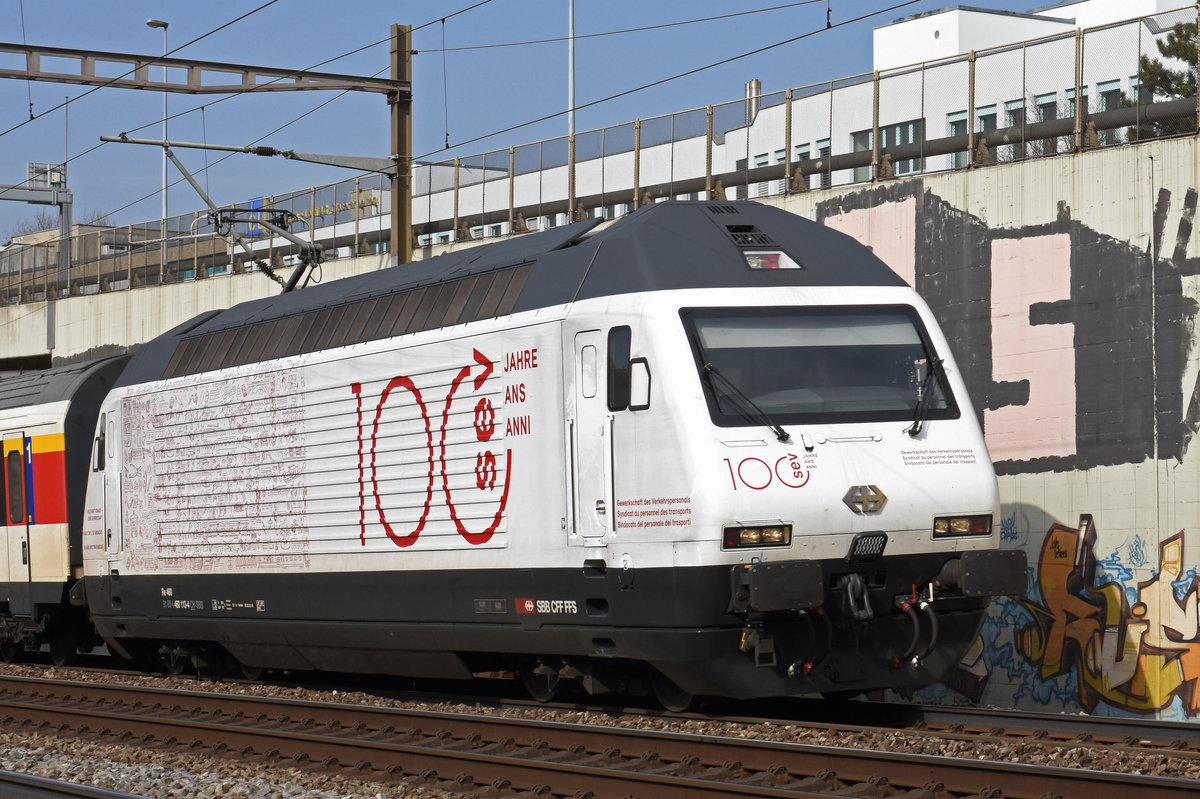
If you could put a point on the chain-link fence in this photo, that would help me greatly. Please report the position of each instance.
(1073, 90)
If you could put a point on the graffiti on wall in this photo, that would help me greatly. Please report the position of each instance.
(1132, 645)
(1075, 343)
(1079, 351)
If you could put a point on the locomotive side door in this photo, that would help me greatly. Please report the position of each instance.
(18, 493)
(110, 474)
(591, 441)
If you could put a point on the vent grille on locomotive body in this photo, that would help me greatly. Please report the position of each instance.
(754, 599)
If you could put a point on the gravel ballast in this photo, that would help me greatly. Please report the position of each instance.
(163, 774)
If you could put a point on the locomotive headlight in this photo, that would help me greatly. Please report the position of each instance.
(962, 525)
(770, 535)
(775, 535)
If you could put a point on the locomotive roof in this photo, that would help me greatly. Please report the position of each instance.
(55, 385)
(664, 246)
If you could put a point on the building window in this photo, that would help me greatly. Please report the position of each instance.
(1139, 91)
(800, 153)
(987, 118)
(890, 136)
(1016, 119)
(1070, 95)
(761, 188)
(956, 125)
(1067, 143)
(1047, 109)
(860, 142)
(910, 132)
(1110, 100)
(825, 179)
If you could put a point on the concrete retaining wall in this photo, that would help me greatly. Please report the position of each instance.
(1069, 289)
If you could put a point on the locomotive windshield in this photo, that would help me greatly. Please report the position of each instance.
(805, 365)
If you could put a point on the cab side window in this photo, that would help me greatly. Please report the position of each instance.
(628, 377)
(620, 339)
(98, 459)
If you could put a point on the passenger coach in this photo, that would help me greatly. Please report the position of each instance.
(47, 421)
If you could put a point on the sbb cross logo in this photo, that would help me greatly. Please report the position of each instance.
(525, 606)
(486, 466)
(865, 499)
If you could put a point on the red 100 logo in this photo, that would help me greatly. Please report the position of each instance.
(486, 467)
(756, 474)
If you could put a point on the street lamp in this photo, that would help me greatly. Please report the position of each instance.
(158, 23)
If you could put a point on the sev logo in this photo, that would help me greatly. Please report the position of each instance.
(865, 499)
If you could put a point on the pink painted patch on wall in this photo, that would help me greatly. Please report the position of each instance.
(1027, 271)
(889, 230)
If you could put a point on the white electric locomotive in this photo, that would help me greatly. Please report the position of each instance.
(711, 447)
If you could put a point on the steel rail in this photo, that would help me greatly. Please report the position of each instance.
(26, 786)
(491, 750)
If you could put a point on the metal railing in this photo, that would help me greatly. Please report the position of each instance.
(1037, 98)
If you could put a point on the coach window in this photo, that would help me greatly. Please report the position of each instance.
(620, 340)
(16, 494)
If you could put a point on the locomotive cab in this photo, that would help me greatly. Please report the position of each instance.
(819, 449)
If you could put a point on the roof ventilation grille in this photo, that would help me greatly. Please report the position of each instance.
(723, 209)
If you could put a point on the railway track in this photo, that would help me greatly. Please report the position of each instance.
(484, 754)
(23, 786)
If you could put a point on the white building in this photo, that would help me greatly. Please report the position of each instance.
(1024, 66)
(936, 74)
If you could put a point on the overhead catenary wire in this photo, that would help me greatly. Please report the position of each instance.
(233, 95)
(130, 72)
(445, 85)
(24, 41)
(484, 136)
(281, 127)
(595, 102)
(449, 16)
(377, 43)
(678, 76)
(625, 31)
(224, 158)
(66, 102)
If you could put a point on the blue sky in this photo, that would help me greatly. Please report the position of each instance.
(463, 93)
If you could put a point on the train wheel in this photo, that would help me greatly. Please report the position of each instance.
(668, 694)
(542, 687)
(10, 652)
(63, 646)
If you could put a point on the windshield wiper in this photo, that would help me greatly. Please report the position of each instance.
(750, 409)
(925, 394)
